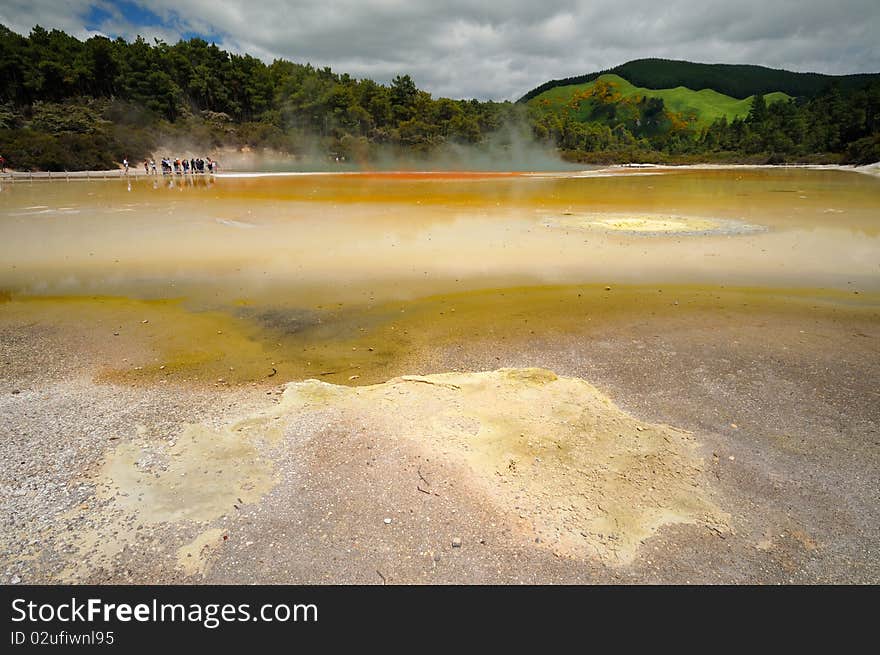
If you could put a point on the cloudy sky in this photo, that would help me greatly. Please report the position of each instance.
(495, 49)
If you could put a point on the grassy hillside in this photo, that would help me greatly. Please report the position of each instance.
(698, 108)
(735, 80)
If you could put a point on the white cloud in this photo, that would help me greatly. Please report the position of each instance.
(501, 49)
(21, 15)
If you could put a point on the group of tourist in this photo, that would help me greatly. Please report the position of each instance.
(191, 166)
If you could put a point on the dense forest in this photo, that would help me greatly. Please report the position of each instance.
(67, 104)
(600, 125)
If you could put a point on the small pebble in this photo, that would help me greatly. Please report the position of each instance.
(456, 543)
(387, 521)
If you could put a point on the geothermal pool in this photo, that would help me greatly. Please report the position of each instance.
(347, 275)
(303, 240)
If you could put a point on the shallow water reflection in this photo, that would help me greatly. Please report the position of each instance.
(340, 238)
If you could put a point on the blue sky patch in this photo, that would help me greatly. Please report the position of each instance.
(140, 16)
(95, 16)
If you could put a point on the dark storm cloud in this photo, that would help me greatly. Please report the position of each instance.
(494, 49)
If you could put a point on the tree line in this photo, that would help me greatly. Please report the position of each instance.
(67, 103)
(836, 126)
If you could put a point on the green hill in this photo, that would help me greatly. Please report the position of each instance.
(697, 108)
(735, 80)
(68, 104)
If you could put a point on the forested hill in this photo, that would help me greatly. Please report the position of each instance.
(69, 104)
(736, 80)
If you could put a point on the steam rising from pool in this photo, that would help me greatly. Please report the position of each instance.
(507, 149)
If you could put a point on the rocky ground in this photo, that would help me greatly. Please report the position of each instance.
(737, 447)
